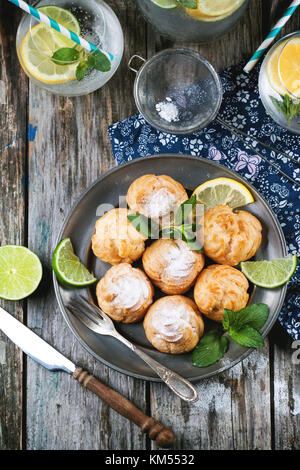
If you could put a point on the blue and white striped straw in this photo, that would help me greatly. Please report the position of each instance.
(271, 36)
(89, 47)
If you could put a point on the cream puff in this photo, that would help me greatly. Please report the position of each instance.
(230, 237)
(125, 293)
(220, 287)
(116, 240)
(156, 197)
(173, 324)
(172, 266)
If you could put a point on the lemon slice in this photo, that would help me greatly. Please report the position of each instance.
(39, 45)
(288, 65)
(223, 191)
(215, 7)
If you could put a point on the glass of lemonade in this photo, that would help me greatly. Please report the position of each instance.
(204, 21)
(279, 82)
(94, 20)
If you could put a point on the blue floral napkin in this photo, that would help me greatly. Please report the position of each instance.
(242, 108)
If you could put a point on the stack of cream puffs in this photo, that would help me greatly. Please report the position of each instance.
(174, 323)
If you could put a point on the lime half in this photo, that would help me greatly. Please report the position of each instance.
(20, 272)
(166, 4)
(68, 268)
(272, 273)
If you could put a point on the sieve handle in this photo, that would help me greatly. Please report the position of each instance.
(135, 56)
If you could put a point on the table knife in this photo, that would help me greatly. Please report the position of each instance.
(36, 348)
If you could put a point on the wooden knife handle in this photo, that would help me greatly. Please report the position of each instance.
(163, 436)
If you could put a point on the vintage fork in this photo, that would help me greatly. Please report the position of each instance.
(95, 319)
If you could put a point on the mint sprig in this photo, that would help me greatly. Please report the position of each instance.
(287, 107)
(180, 230)
(97, 60)
(188, 3)
(241, 326)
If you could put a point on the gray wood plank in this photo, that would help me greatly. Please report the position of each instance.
(12, 212)
(286, 377)
(228, 415)
(70, 151)
(286, 389)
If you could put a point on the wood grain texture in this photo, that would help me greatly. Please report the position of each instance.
(255, 405)
(12, 215)
(228, 415)
(285, 374)
(70, 151)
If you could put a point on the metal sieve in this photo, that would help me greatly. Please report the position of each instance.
(177, 91)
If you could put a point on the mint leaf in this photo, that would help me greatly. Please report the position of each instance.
(184, 210)
(247, 336)
(210, 349)
(254, 315)
(81, 70)
(144, 225)
(287, 107)
(229, 318)
(99, 61)
(188, 3)
(65, 55)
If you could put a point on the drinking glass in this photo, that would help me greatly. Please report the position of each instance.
(98, 24)
(187, 25)
(273, 95)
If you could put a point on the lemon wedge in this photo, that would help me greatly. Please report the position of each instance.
(223, 191)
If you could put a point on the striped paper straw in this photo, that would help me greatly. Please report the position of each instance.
(270, 38)
(58, 27)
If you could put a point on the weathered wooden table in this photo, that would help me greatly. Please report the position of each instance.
(255, 405)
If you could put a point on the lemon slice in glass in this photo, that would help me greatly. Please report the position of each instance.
(223, 191)
(20, 272)
(217, 7)
(40, 43)
(285, 59)
(270, 274)
(214, 10)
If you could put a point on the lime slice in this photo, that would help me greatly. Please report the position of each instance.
(63, 17)
(223, 191)
(20, 272)
(68, 268)
(165, 4)
(39, 45)
(272, 273)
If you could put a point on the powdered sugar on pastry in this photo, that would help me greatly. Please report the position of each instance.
(170, 324)
(159, 203)
(180, 260)
(129, 292)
